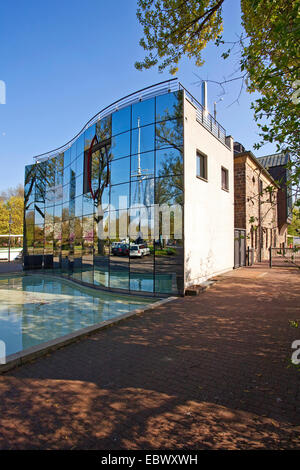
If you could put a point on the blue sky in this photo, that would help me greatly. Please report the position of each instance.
(63, 61)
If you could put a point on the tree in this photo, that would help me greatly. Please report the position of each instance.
(4, 217)
(294, 227)
(271, 60)
(16, 191)
(13, 206)
(269, 56)
(173, 28)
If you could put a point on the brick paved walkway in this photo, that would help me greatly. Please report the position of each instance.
(203, 372)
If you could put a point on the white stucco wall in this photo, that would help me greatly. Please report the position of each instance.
(209, 210)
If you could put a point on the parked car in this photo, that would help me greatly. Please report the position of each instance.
(125, 249)
(139, 250)
(120, 249)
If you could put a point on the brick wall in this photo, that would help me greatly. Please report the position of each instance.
(239, 193)
(254, 212)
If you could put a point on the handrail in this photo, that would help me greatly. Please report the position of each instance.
(205, 118)
(202, 115)
(118, 104)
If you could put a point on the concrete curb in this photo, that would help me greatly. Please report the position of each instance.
(29, 354)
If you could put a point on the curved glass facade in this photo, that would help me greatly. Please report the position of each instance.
(109, 210)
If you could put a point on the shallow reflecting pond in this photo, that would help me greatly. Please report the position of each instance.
(35, 309)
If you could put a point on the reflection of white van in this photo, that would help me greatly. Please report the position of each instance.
(139, 250)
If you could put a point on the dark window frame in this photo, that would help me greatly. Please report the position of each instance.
(226, 186)
(202, 168)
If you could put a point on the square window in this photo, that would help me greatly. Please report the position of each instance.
(201, 166)
(224, 179)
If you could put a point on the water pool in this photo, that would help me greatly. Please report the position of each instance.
(37, 308)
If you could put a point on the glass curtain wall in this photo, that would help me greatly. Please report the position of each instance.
(109, 210)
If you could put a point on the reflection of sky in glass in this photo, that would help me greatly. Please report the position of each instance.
(142, 192)
(120, 146)
(146, 164)
(146, 139)
(120, 171)
(88, 136)
(167, 106)
(121, 120)
(117, 192)
(144, 111)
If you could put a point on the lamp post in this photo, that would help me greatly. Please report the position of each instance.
(9, 225)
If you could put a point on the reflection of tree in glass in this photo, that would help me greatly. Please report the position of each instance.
(100, 175)
(169, 132)
(169, 187)
(38, 178)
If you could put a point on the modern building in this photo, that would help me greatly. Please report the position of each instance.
(140, 200)
(261, 204)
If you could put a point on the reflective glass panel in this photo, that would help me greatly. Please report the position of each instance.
(79, 164)
(80, 145)
(169, 162)
(142, 192)
(50, 172)
(65, 211)
(169, 190)
(102, 201)
(99, 171)
(88, 227)
(120, 146)
(58, 213)
(67, 158)
(72, 185)
(103, 128)
(39, 214)
(119, 196)
(78, 228)
(120, 171)
(143, 113)
(142, 165)
(121, 120)
(87, 204)
(143, 139)
(78, 206)
(141, 223)
(88, 136)
(29, 216)
(169, 106)
(66, 192)
(79, 185)
(169, 134)
(59, 169)
(67, 173)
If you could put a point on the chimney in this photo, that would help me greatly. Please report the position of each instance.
(238, 148)
(204, 95)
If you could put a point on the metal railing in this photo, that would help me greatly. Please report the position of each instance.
(167, 86)
(205, 118)
(284, 256)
